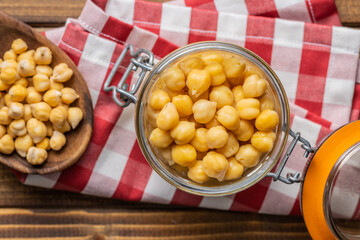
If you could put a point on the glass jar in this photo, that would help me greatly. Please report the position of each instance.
(317, 189)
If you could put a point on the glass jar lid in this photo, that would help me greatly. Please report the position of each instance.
(330, 196)
(342, 195)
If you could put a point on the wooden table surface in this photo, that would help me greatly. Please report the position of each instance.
(33, 213)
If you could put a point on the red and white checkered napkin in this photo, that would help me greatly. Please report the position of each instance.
(317, 65)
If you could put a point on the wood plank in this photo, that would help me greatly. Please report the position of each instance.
(193, 224)
(43, 12)
(349, 12)
(54, 12)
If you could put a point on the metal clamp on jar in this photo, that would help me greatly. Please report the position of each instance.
(323, 176)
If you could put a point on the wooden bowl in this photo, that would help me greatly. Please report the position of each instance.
(76, 140)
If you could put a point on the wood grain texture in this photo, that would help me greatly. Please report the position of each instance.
(29, 213)
(150, 224)
(43, 12)
(77, 139)
(349, 11)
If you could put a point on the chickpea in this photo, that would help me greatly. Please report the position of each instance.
(43, 56)
(222, 95)
(52, 97)
(74, 116)
(245, 130)
(57, 140)
(266, 103)
(151, 116)
(18, 127)
(238, 93)
(267, 120)
(235, 169)
(3, 86)
(22, 144)
(248, 108)
(212, 123)
(215, 165)
(217, 137)
(36, 129)
(197, 174)
(64, 128)
(172, 93)
(234, 70)
(168, 117)
(68, 95)
(7, 100)
(26, 67)
(18, 93)
(174, 78)
(44, 144)
(254, 86)
(7, 144)
(9, 76)
(249, 72)
(10, 63)
(4, 116)
(10, 54)
(231, 147)
(183, 132)
(44, 69)
(183, 105)
(248, 155)
(190, 64)
(41, 111)
(160, 138)
(33, 96)
(61, 73)
(36, 155)
(184, 155)
(19, 46)
(26, 55)
(228, 117)
(158, 99)
(211, 57)
(263, 141)
(22, 82)
(16, 110)
(216, 71)
(27, 112)
(166, 154)
(41, 82)
(57, 86)
(58, 115)
(205, 96)
(199, 141)
(198, 81)
(204, 111)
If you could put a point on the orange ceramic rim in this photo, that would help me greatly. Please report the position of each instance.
(316, 177)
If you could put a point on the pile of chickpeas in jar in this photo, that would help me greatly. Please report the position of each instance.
(211, 116)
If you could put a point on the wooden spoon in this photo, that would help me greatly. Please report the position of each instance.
(76, 140)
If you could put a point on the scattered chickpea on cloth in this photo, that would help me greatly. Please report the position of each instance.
(211, 116)
(35, 105)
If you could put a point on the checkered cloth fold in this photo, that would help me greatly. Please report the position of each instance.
(316, 60)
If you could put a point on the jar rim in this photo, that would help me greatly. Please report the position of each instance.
(273, 80)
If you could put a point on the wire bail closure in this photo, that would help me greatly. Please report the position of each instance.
(291, 177)
(123, 94)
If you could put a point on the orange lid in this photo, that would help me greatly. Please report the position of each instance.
(316, 178)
